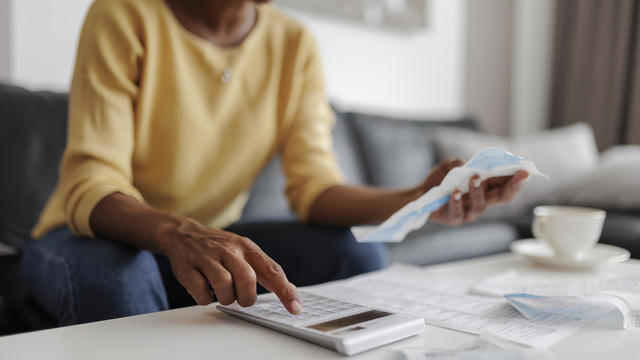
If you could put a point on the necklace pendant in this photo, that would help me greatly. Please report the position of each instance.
(226, 75)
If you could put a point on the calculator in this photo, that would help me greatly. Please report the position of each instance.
(341, 326)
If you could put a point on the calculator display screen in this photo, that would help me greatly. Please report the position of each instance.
(349, 320)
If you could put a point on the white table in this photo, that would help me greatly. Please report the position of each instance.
(205, 333)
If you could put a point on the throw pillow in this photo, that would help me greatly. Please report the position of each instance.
(614, 184)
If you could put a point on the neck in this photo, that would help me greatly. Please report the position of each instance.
(222, 22)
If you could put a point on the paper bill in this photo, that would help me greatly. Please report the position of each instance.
(566, 310)
(623, 293)
(445, 302)
(487, 163)
(627, 303)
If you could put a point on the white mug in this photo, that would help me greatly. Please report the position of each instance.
(568, 230)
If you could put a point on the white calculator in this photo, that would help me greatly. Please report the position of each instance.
(341, 326)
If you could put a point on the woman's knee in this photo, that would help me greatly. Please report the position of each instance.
(83, 279)
(121, 281)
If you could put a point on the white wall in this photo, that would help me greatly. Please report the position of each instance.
(464, 62)
(401, 73)
(5, 63)
(509, 45)
(43, 41)
(532, 52)
(488, 63)
(412, 73)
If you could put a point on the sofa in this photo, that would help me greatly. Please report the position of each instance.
(372, 150)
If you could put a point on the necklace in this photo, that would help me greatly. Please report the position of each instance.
(227, 73)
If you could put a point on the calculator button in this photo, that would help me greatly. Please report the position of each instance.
(316, 308)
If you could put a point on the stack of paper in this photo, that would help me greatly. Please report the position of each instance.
(447, 302)
(547, 297)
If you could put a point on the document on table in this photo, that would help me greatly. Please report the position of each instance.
(445, 302)
(558, 308)
(623, 293)
(487, 163)
(627, 302)
(511, 282)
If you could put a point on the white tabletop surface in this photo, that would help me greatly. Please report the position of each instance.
(205, 333)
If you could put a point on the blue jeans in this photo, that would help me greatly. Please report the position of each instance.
(78, 280)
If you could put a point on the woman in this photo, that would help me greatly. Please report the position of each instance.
(175, 107)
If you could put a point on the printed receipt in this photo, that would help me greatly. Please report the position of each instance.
(535, 297)
(487, 163)
(446, 302)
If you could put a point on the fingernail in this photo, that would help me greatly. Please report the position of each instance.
(296, 306)
(457, 196)
(476, 182)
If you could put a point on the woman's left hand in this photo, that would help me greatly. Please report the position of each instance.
(464, 208)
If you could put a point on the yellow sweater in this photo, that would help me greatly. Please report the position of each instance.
(150, 117)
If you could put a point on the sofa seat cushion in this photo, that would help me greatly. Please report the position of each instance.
(437, 243)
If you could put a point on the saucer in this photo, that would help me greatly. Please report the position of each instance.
(541, 253)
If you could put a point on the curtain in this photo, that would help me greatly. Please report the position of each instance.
(596, 68)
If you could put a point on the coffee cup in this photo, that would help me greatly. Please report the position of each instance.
(569, 230)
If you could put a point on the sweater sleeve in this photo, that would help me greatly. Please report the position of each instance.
(308, 159)
(98, 158)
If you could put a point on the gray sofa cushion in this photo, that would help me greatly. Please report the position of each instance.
(32, 138)
(623, 229)
(398, 153)
(349, 154)
(437, 243)
(267, 199)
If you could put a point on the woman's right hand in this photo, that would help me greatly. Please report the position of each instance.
(200, 256)
(229, 263)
